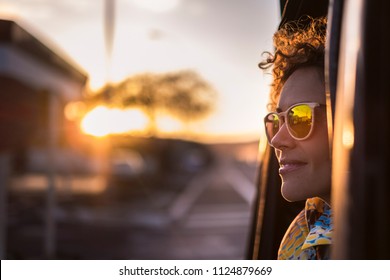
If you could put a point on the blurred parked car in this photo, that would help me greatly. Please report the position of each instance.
(128, 164)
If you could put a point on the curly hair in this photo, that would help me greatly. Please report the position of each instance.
(296, 45)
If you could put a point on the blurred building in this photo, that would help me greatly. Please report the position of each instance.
(36, 81)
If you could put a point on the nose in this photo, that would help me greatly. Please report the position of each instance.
(282, 139)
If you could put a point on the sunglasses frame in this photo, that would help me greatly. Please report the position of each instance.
(282, 119)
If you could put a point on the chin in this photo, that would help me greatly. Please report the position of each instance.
(291, 199)
(291, 194)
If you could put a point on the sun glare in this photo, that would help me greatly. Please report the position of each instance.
(102, 121)
(73, 110)
(168, 124)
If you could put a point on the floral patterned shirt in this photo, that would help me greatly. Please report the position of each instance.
(310, 234)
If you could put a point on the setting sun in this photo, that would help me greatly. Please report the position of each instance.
(102, 121)
(168, 124)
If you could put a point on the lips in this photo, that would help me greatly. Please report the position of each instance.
(287, 166)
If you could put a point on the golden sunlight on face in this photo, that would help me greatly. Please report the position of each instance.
(102, 121)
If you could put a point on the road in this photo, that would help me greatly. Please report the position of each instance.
(207, 218)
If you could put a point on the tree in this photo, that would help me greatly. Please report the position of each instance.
(188, 96)
(184, 95)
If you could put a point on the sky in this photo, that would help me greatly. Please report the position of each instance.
(220, 39)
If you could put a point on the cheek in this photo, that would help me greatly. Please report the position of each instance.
(321, 153)
(320, 158)
(319, 144)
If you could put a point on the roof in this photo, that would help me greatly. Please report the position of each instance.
(18, 37)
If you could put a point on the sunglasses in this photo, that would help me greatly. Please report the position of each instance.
(299, 120)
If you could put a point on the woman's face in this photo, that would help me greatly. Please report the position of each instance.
(305, 166)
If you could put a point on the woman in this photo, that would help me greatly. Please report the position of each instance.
(297, 129)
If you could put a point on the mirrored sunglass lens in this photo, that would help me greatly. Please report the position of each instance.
(272, 125)
(300, 119)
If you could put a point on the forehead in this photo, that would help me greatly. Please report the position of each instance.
(304, 85)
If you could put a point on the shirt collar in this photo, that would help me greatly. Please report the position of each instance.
(319, 219)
